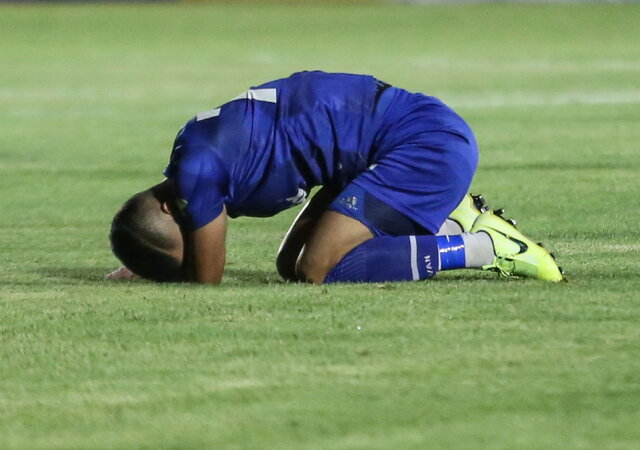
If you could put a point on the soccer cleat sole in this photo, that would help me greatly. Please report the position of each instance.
(479, 203)
(564, 276)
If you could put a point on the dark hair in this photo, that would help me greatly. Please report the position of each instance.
(139, 241)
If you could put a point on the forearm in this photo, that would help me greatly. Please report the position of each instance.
(205, 254)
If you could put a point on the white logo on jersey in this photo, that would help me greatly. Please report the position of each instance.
(208, 114)
(300, 197)
(260, 95)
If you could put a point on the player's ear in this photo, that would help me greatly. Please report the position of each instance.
(164, 206)
(164, 194)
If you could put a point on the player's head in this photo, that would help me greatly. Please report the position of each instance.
(145, 236)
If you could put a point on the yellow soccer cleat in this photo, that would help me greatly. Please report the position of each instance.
(468, 211)
(516, 254)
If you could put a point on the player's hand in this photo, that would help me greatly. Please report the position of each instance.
(121, 274)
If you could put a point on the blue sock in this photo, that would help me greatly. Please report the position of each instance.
(402, 258)
(451, 248)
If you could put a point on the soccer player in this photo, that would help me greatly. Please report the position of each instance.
(394, 167)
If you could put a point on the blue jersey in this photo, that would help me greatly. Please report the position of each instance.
(263, 151)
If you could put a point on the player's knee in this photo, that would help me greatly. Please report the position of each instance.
(313, 267)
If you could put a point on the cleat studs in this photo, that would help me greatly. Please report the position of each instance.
(499, 212)
(553, 255)
(564, 277)
(541, 244)
(479, 202)
(512, 222)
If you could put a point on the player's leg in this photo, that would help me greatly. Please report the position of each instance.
(411, 258)
(363, 239)
(326, 249)
(493, 244)
(459, 221)
(355, 242)
(402, 200)
(402, 253)
(353, 217)
(423, 182)
(332, 238)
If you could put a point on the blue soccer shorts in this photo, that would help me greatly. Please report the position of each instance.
(414, 187)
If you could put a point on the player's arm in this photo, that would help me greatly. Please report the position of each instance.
(299, 232)
(199, 184)
(205, 252)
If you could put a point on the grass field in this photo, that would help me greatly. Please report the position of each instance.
(90, 100)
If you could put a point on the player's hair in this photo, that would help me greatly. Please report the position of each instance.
(140, 239)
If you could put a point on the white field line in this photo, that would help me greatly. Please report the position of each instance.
(533, 99)
(621, 248)
(71, 93)
(526, 65)
(485, 100)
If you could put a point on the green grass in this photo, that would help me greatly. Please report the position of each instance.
(90, 100)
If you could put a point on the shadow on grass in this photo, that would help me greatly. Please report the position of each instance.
(254, 277)
(92, 274)
(96, 274)
(251, 276)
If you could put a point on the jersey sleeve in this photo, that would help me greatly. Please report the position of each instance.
(200, 181)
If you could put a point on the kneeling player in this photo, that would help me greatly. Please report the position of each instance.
(393, 165)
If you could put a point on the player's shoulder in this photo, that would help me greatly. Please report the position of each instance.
(321, 75)
(195, 134)
(317, 77)
(303, 91)
(193, 152)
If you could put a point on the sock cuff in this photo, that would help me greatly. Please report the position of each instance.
(451, 250)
